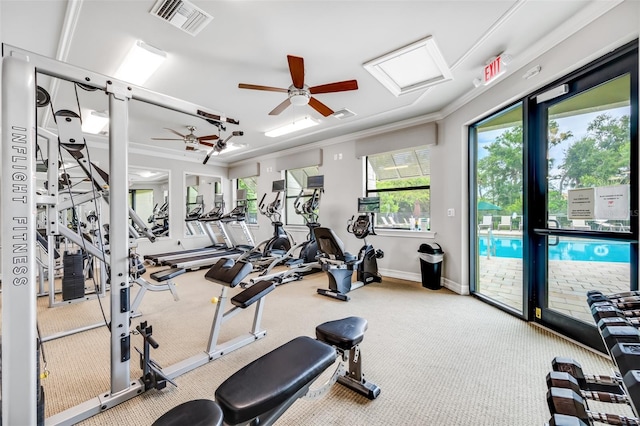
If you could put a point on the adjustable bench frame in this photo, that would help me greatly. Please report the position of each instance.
(229, 274)
(260, 392)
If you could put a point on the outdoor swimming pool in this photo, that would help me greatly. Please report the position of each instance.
(567, 249)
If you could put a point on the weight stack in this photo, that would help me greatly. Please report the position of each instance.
(73, 278)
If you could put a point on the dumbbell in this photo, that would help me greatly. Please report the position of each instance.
(600, 311)
(561, 379)
(564, 420)
(627, 305)
(566, 401)
(611, 336)
(626, 356)
(587, 381)
(614, 295)
(595, 298)
(617, 321)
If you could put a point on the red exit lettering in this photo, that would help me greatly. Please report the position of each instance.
(493, 69)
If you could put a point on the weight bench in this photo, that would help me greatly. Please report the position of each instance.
(164, 276)
(263, 390)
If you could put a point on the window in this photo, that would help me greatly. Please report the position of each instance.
(251, 185)
(402, 181)
(296, 180)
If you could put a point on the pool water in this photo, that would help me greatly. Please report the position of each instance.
(567, 249)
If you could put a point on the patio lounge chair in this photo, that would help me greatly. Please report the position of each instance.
(487, 223)
(505, 222)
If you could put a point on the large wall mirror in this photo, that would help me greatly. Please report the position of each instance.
(149, 198)
(200, 192)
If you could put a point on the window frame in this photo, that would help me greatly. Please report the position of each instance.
(375, 192)
(252, 203)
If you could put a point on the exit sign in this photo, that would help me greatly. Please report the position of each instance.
(493, 69)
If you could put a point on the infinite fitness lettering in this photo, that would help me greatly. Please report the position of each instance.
(19, 191)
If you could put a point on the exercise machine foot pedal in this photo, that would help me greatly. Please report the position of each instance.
(334, 294)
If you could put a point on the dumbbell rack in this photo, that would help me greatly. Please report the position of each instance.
(618, 318)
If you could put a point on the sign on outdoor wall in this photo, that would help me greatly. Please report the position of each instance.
(602, 203)
(580, 203)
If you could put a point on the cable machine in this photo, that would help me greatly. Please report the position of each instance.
(18, 239)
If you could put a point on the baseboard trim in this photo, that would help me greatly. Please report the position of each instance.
(412, 276)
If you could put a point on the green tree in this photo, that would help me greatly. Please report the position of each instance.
(500, 173)
(601, 157)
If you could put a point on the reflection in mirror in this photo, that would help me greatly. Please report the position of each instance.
(149, 197)
(201, 191)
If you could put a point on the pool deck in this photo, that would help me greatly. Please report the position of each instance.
(501, 279)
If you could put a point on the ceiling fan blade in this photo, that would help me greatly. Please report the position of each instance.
(208, 137)
(277, 110)
(207, 143)
(258, 87)
(340, 86)
(296, 68)
(320, 107)
(165, 139)
(177, 133)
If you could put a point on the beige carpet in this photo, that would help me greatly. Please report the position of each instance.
(439, 358)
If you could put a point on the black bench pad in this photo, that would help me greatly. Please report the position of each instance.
(253, 294)
(273, 378)
(228, 272)
(167, 274)
(343, 333)
(199, 412)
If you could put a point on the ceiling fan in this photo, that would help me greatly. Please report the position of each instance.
(299, 93)
(192, 142)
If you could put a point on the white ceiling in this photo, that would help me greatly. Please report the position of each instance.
(248, 42)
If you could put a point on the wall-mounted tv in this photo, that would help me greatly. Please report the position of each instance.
(369, 204)
(314, 182)
(277, 186)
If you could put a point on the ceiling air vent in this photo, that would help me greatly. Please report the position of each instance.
(182, 14)
(343, 113)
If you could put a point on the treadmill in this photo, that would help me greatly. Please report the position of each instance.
(214, 214)
(204, 260)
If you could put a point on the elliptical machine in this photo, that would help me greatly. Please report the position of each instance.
(279, 244)
(309, 211)
(340, 264)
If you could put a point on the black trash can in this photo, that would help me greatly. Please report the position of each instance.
(431, 256)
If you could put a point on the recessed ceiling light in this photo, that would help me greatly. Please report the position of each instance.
(95, 122)
(413, 67)
(140, 63)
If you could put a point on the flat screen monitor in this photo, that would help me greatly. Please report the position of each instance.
(218, 200)
(241, 195)
(314, 182)
(277, 186)
(199, 199)
(369, 204)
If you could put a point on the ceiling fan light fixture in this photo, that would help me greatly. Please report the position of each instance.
(294, 126)
(299, 97)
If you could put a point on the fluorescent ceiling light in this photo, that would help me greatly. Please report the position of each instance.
(395, 167)
(300, 124)
(140, 63)
(413, 67)
(95, 122)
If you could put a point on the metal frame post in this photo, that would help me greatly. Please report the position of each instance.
(18, 211)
